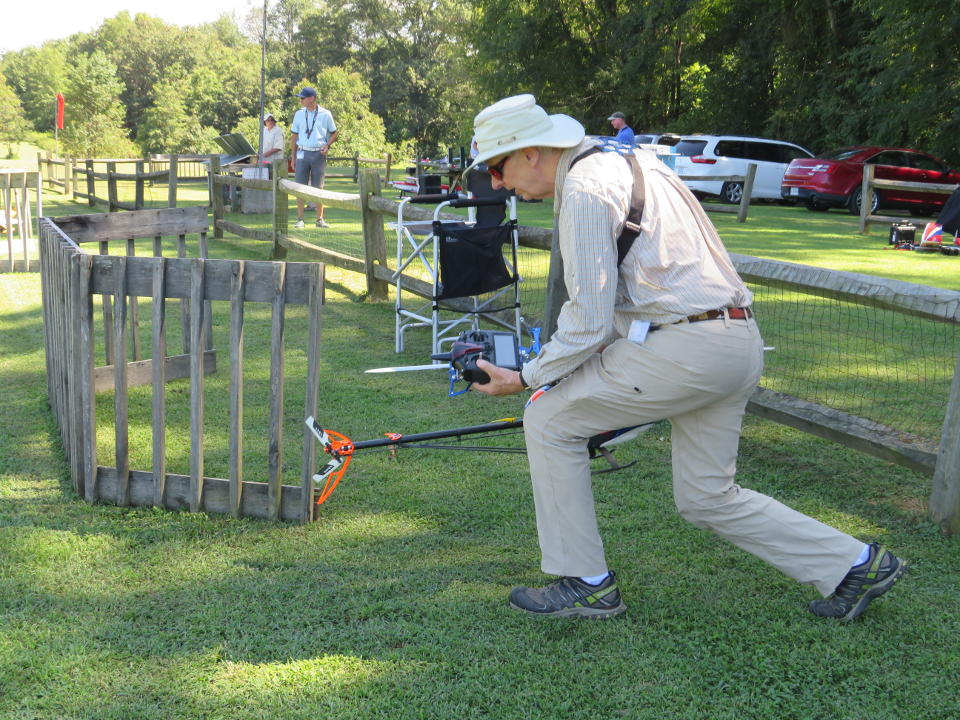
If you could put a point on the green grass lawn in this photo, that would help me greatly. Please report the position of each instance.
(393, 604)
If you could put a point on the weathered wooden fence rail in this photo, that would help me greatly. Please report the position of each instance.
(355, 163)
(871, 185)
(128, 227)
(72, 278)
(190, 168)
(77, 178)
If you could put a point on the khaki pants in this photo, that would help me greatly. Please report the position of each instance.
(699, 375)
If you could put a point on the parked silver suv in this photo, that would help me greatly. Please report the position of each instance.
(721, 156)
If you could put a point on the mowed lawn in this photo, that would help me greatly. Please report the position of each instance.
(393, 604)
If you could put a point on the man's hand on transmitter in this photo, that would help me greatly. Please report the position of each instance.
(502, 381)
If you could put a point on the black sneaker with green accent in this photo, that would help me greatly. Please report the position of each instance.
(570, 596)
(862, 584)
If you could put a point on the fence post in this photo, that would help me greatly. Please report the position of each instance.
(945, 498)
(68, 177)
(356, 167)
(216, 197)
(197, 290)
(8, 210)
(49, 171)
(747, 192)
(866, 197)
(172, 182)
(112, 187)
(374, 242)
(91, 185)
(281, 204)
(40, 166)
(38, 213)
(138, 200)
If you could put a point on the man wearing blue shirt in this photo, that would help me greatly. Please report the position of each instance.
(624, 131)
(311, 135)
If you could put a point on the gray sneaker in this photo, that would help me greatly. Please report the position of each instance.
(861, 585)
(299, 225)
(570, 596)
(321, 223)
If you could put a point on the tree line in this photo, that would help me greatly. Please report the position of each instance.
(404, 74)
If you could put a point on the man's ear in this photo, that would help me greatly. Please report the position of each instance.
(532, 155)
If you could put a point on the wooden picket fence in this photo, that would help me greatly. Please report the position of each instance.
(71, 278)
(17, 186)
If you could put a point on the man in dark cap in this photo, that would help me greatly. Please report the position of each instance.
(624, 131)
(311, 135)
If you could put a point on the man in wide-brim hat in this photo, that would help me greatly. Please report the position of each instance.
(658, 325)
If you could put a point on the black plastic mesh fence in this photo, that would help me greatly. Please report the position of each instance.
(872, 362)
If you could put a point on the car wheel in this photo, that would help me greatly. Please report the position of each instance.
(731, 192)
(853, 202)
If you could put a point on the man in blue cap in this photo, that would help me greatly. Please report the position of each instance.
(311, 135)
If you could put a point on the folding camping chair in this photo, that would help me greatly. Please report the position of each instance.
(465, 262)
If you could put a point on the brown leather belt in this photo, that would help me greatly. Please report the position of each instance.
(734, 313)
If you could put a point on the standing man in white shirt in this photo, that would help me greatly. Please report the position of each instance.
(658, 325)
(273, 140)
(312, 133)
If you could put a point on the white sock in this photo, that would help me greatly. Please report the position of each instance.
(595, 579)
(864, 556)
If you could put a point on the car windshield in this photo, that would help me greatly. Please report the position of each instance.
(841, 154)
(690, 148)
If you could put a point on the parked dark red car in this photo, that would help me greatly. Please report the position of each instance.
(835, 179)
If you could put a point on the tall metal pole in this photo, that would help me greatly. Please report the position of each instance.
(263, 65)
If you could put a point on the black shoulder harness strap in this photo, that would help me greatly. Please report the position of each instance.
(631, 227)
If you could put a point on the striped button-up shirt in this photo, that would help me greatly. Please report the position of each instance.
(677, 266)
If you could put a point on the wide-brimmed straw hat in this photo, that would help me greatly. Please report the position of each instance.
(518, 122)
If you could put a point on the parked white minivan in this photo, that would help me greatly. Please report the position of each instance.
(725, 155)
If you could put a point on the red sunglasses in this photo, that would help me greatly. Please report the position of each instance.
(496, 171)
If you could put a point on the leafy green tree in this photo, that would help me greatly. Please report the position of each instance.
(37, 75)
(143, 49)
(93, 122)
(565, 52)
(913, 86)
(324, 38)
(13, 124)
(286, 38)
(166, 126)
(223, 85)
(421, 76)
